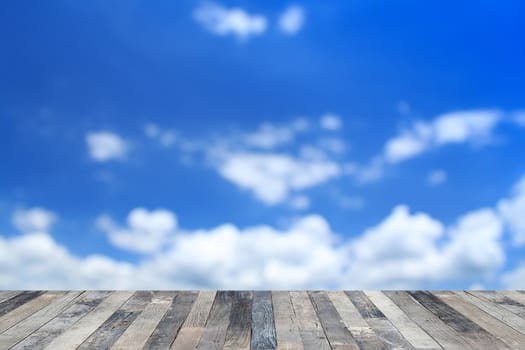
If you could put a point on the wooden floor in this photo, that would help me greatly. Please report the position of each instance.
(262, 320)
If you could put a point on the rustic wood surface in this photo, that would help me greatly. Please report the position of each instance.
(369, 320)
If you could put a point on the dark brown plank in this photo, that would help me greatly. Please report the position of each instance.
(263, 326)
(109, 332)
(239, 329)
(469, 330)
(43, 336)
(338, 335)
(377, 321)
(10, 304)
(168, 327)
(214, 333)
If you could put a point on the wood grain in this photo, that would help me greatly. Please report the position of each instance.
(214, 334)
(310, 329)
(263, 327)
(286, 327)
(238, 333)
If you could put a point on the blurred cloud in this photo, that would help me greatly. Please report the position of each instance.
(437, 177)
(224, 21)
(104, 146)
(292, 20)
(331, 122)
(34, 219)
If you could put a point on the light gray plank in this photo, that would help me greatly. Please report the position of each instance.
(137, 334)
(443, 334)
(338, 335)
(9, 305)
(214, 334)
(82, 329)
(191, 331)
(409, 329)
(22, 329)
(492, 325)
(510, 304)
(45, 334)
(286, 328)
(310, 329)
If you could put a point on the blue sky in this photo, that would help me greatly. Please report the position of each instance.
(262, 144)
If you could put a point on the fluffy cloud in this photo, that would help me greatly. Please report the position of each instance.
(147, 231)
(271, 177)
(33, 220)
(104, 146)
(331, 122)
(513, 209)
(235, 21)
(292, 20)
(437, 177)
(166, 138)
(269, 136)
(450, 128)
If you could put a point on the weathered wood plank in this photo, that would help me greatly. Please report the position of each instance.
(263, 327)
(9, 305)
(499, 329)
(514, 295)
(81, 330)
(239, 329)
(168, 327)
(191, 331)
(214, 334)
(338, 335)
(409, 329)
(377, 320)
(496, 311)
(45, 334)
(364, 335)
(470, 331)
(137, 334)
(443, 334)
(8, 294)
(112, 328)
(22, 329)
(512, 305)
(310, 329)
(29, 308)
(286, 328)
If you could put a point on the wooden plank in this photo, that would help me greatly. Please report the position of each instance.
(108, 333)
(470, 331)
(191, 331)
(496, 311)
(9, 305)
(378, 321)
(239, 329)
(409, 329)
(168, 327)
(214, 334)
(443, 334)
(45, 334)
(364, 335)
(8, 294)
(22, 329)
(338, 335)
(27, 309)
(492, 325)
(310, 329)
(286, 328)
(80, 331)
(137, 334)
(263, 326)
(514, 295)
(512, 305)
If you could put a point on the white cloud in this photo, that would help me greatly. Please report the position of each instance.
(269, 136)
(404, 250)
(515, 279)
(513, 212)
(292, 20)
(437, 177)
(331, 122)
(455, 127)
(235, 21)
(271, 177)
(146, 231)
(104, 146)
(34, 219)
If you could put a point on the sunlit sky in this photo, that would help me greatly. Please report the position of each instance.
(262, 144)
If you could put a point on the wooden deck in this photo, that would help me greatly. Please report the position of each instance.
(262, 320)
